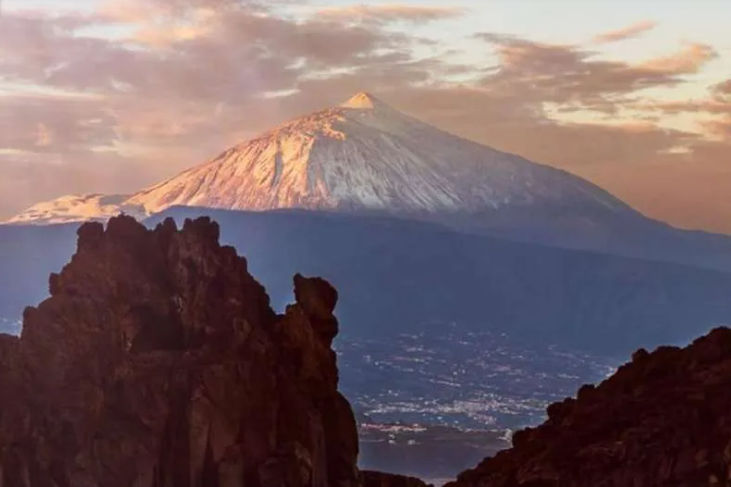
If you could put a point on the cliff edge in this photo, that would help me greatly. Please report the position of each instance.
(157, 361)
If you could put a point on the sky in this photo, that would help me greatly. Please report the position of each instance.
(109, 96)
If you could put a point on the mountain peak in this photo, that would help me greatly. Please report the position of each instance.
(363, 100)
(362, 154)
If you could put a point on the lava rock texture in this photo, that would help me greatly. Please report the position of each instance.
(157, 361)
(664, 419)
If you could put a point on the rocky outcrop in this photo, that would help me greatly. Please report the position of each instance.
(664, 419)
(379, 479)
(158, 362)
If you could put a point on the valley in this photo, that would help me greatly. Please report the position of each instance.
(460, 379)
(433, 405)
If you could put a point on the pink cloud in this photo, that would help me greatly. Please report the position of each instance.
(390, 13)
(625, 33)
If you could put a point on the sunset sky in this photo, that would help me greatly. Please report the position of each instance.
(110, 96)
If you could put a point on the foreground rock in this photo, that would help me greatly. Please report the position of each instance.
(378, 479)
(158, 362)
(662, 420)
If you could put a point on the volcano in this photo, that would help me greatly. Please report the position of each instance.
(365, 157)
(360, 155)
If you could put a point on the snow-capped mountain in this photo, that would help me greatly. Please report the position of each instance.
(362, 154)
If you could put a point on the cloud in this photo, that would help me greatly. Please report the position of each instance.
(722, 89)
(155, 11)
(386, 13)
(28, 178)
(625, 33)
(521, 126)
(59, 125)
(575, 76)
(710, 106)
(688, 60)
(712, 113)
(720, 128)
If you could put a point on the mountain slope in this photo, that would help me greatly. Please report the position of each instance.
(366, 155)
(661, 420)
(401, 276)
(362, 155)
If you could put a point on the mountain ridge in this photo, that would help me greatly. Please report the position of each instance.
(581, 293)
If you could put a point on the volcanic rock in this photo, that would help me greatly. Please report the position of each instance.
(664, 419)
(158, 362)
(379, 479)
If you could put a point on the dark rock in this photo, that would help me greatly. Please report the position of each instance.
(378, 479)
(318, 299)
(661, 420)
(158, 362)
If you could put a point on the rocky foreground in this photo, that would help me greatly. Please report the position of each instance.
(664, 419)
(158, 362)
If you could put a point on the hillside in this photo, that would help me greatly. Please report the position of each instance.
(420, 275)
(662, 420)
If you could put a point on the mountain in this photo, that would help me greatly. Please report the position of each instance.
(410, 276)
(361, 155)
(366, 157)
(661, 420)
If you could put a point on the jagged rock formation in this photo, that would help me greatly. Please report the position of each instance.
(158, 362)
(662, 420)
(378, 479)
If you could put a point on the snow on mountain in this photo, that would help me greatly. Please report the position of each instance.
(362, 154)
(74, 208)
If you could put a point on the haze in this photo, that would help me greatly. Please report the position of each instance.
(109, 96)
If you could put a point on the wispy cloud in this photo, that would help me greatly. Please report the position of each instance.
(723, 88)
(625, 33)
(575, 76)
(393, 12)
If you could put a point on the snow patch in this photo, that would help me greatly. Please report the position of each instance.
(77, 208)
(362, 100)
